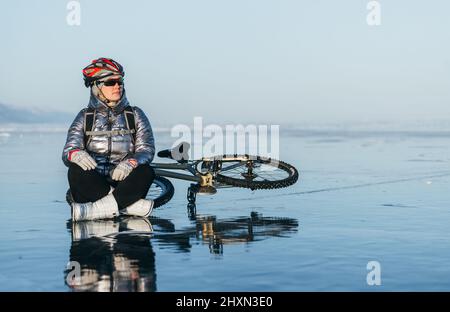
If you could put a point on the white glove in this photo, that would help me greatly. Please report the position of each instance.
(82, 159)
(123, 169)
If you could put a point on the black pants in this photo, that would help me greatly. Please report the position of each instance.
(90, 186)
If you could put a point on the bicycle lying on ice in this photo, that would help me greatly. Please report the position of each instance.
(211, 173)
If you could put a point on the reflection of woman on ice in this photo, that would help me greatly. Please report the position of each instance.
(108, 150)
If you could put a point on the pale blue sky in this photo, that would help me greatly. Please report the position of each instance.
(270, 61)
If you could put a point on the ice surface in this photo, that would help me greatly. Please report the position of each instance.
(362, 196)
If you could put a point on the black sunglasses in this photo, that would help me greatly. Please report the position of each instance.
(111, 82)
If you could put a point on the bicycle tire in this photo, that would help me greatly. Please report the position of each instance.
(167, 193)
(291, 171)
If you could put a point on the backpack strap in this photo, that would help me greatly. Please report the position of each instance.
(131, 124)
(89, 118)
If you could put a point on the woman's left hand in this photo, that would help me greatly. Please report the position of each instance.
(123, 169)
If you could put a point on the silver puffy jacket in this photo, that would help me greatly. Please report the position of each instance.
(108, 151)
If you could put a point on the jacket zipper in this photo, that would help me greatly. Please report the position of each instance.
(109, 138)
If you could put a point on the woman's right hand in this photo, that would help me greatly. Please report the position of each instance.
(82, 159)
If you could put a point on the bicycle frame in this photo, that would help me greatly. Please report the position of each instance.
(189, 166)
(203, 179)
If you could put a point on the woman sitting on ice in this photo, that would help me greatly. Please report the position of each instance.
(108, 150)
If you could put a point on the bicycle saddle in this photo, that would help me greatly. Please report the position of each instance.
(178, 153)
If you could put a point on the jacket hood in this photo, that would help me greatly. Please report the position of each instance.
(96, 104)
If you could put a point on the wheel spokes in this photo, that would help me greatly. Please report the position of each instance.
(231, 167)
(254, 171)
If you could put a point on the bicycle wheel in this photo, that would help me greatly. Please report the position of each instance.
(161, 191)
(255, 172)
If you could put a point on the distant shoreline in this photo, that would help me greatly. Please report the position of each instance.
(331, 130)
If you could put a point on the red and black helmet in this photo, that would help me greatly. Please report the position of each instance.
(101, 68)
